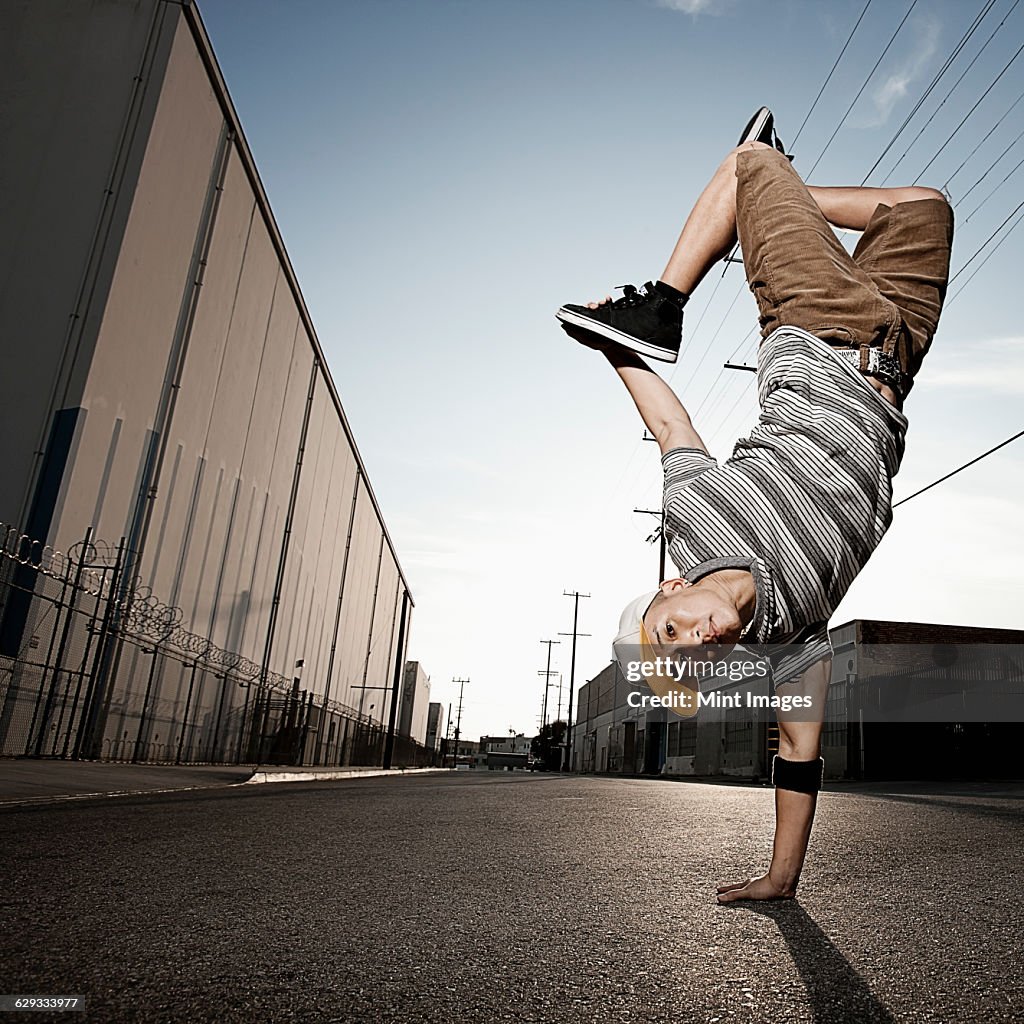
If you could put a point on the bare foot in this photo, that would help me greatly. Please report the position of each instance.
(762, 888)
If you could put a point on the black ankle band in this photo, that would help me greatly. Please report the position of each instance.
(798, 776)
(678, 297)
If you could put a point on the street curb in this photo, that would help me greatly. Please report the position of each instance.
(60, 798)
(261, 778)
(257, 777)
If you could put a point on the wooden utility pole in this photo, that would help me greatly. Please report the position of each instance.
(575, 595)
(458, 719)
(547, 673)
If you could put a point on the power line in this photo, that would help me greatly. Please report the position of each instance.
(675, 369)
(985, 139)
(716, 402)
(994, 250)
(982, 178)
(720, 395)
(960, 469)
(732, 409)
(714, 384)
(864, 86)
(828, 78)
(725, 316)
(952, 89)
(696, 328)
(1017, 210)
(947, 64)
(952, 134)
(983, 244)
(707, 347)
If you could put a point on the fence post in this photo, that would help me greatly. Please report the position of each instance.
(51, 696)
(243, 722)
(49, 661)
(215, 739)
(188, 705)
(87, 742)
(145, 702)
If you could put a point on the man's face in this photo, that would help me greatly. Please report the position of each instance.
(683, 615)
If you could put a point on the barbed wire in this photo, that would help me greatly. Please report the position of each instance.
(145, 618)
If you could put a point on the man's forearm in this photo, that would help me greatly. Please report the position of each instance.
(798, 741)
(659, 407)
(794, 814)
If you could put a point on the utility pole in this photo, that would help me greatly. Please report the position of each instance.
(658, 534)
(458, 719)
(448, 738)
(575, 595)
(547, 673)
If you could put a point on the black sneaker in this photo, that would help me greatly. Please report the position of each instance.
(647, 320)
(761, 128)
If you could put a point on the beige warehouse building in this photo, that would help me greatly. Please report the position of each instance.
(162, 382)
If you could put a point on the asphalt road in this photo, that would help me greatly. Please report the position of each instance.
(513, 898)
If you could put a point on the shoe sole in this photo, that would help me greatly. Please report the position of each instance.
(644, 348)
(761, 118)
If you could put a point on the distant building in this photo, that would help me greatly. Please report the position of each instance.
(605, 729)
(905, 700)
(505, 752)
(518, 743)
(413, 709)
(435, 726)
(467, 752)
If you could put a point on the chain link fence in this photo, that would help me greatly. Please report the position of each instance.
(93, 666)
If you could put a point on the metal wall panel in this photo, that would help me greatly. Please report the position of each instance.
(316, 552)
(68, 77)
(142, 312)
(280, 391)
(297, 596)
(185, 479)
(227, 423)
(357, 607)
(383, 654)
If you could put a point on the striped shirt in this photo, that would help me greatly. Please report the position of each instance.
(801, 503)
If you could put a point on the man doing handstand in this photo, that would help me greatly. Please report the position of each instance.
(768, 543)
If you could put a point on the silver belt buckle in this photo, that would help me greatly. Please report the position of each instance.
(883, 366)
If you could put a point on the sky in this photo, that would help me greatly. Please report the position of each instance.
(445, 174)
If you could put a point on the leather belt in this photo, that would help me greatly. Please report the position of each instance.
(883, 366)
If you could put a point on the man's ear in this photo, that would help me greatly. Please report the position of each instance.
(676, 584)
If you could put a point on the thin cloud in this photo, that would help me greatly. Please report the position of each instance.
(995, 367)
(897, 85)
(713, 7)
